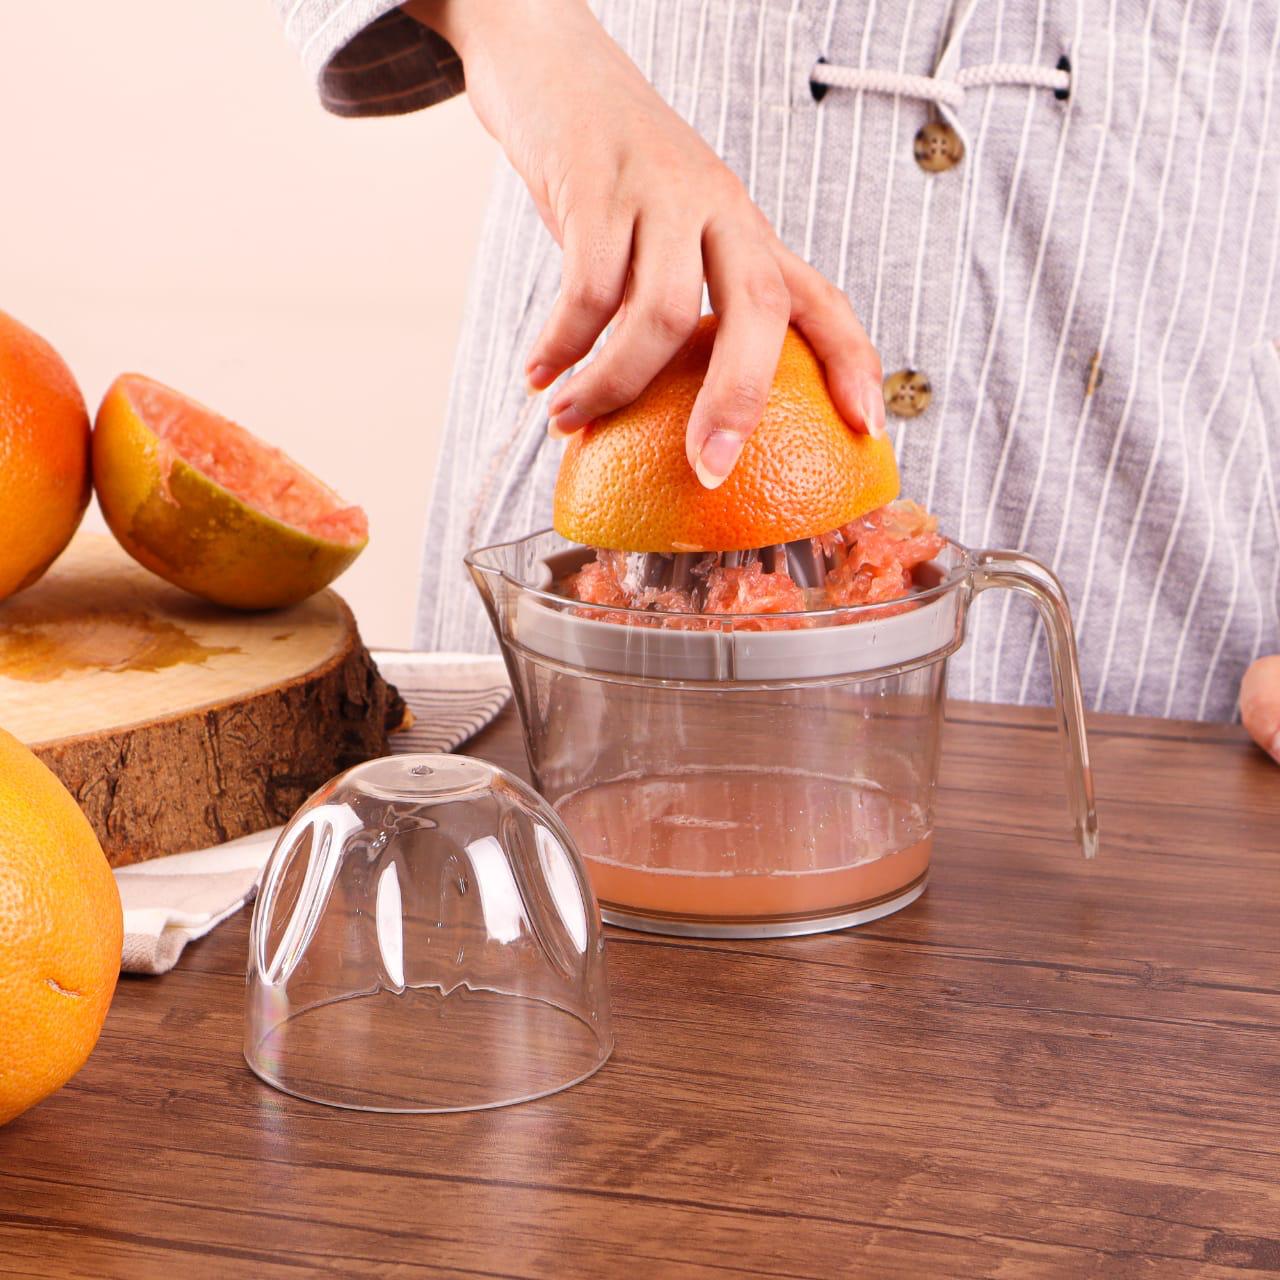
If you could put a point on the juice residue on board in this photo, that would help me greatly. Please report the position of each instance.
(742, 845)
(102, 640)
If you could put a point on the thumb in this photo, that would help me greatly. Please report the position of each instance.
(1260, 704)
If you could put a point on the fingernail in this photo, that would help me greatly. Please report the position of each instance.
(564, 422)
(872, 405)
(719, 452)
(539, 377)
(1274, 749)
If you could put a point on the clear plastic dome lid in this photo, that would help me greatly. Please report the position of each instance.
(425, 939)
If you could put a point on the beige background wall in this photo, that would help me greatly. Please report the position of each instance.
(173, 200)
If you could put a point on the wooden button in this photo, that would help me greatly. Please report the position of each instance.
(907, 393)
(938, 147)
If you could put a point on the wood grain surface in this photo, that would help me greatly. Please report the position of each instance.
(176, 723)
(1044, 1068)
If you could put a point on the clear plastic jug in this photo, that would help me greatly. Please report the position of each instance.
(726, 778)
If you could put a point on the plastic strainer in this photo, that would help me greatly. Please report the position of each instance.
(425, 939)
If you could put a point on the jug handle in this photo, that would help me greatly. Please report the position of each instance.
(1020, 573)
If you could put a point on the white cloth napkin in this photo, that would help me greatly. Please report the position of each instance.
(171, 901)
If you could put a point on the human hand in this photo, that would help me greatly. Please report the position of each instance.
(1260, 704)
(645, 212)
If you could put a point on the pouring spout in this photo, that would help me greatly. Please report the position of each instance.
(502, 571)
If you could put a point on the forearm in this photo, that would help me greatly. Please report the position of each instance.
(539, 73)
(646, 213)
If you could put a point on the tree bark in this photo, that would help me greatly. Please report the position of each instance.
(179, 752)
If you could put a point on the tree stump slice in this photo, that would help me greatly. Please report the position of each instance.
(177, 724)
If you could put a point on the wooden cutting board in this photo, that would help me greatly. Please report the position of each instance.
(175, 723)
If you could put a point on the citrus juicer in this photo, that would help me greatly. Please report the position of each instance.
(746, 775)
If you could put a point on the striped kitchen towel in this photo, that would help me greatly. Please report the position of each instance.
(169, 902)
(452, 696)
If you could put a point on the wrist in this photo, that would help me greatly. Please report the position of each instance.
(485, 26)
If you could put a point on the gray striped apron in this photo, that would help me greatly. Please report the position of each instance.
(1090, 293)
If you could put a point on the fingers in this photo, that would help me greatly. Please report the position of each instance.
(661, 309)
(648, 275)
(824, 315)
(597, 259)
(750, 297)
(1260, 704)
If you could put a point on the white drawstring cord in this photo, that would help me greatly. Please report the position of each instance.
(1016, 73)
(946, 93)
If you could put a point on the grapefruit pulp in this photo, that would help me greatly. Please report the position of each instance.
(871, 560)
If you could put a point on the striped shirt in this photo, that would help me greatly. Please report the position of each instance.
(1090, 293)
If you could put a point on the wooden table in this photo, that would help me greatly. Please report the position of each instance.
(1043, 1068)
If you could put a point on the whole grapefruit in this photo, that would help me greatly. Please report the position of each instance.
(44, 456)
(625, 483)
(60, 932)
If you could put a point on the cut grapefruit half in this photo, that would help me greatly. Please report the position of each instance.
(205, 504)
(625, 482)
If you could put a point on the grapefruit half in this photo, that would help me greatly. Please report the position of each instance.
(205, 504)
(625, 483)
